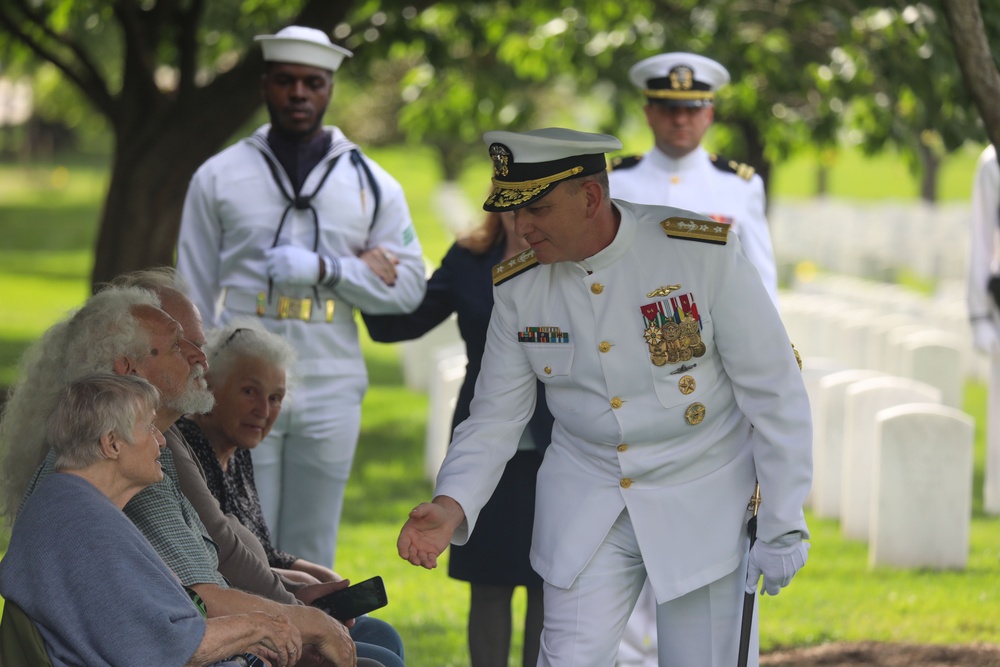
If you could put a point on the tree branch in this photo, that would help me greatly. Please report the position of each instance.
(89, 81)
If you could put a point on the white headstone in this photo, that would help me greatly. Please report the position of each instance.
(892, 346)
(937, 358)
(922, 487)
(877, 341)
(813, 370)
(446, 381)
(828, 439)
(862, 401)
(418, 355)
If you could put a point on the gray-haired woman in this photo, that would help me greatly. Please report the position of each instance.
(82, 572)
(248, 376)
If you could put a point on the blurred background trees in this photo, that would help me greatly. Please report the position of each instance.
(160, 85)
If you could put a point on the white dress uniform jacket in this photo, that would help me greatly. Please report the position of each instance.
(627, 436)
(693, 182)
(231, 215)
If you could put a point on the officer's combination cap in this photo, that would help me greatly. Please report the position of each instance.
(527, 164)
(302, 46)
(679, 79)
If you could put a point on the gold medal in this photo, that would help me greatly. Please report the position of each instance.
(698, 350)
(687, 385)
(658, 359)
(671, 331)
(694, 414)
(686, 354)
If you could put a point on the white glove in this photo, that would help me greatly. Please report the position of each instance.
(777, 564)
(984, 336)
(292, 265)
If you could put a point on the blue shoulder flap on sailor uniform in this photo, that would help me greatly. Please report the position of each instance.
(741, 169)
(514, 266)
(690, 229)
(624, 162)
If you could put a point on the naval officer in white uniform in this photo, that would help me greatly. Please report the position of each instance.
(296, 225)
(673, 386)
(677, 171)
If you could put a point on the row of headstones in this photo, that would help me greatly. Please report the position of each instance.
(892, 452)
(892, 464)
(873, 239)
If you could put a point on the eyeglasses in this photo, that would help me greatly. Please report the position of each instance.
(233, 335)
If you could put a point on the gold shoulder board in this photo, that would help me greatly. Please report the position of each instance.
(745, 171)
(509, 268)
(706, 231)
(741, 169)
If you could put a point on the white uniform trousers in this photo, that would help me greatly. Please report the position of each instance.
(584, 624)
(301, 468)
(991, 483)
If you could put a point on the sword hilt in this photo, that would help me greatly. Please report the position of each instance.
(754, 503)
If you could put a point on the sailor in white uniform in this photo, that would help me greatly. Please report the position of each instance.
(295, 225)
(983, 297)
(680, 90)
(674, 388)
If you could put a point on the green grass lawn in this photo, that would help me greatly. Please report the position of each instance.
(47, 224)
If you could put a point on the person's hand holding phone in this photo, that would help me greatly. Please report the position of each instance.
(348, 603)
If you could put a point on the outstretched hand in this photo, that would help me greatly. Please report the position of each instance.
(428, 530)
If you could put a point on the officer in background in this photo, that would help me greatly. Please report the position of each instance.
(983, 297)
(297, 226)
(673, 388)
(679, 89)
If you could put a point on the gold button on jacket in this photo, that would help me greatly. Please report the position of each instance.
(626, 482)
(597, 288)
(605, 346)
(616, 402)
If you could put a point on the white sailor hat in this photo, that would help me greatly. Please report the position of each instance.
(302, 46)
(527, 164)
(679, 79)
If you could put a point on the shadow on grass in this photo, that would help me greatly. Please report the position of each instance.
(33, 228)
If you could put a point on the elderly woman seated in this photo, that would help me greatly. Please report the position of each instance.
(83, 573)
(248, 376)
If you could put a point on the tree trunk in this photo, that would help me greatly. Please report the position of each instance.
(754, 143)
(930, 164)
(142, 210)
(972, 49)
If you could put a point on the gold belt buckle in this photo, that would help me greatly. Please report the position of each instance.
(290, 307)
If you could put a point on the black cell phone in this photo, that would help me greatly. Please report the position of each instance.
(355, 600)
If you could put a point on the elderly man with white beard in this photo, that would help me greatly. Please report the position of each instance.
(123, 329)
